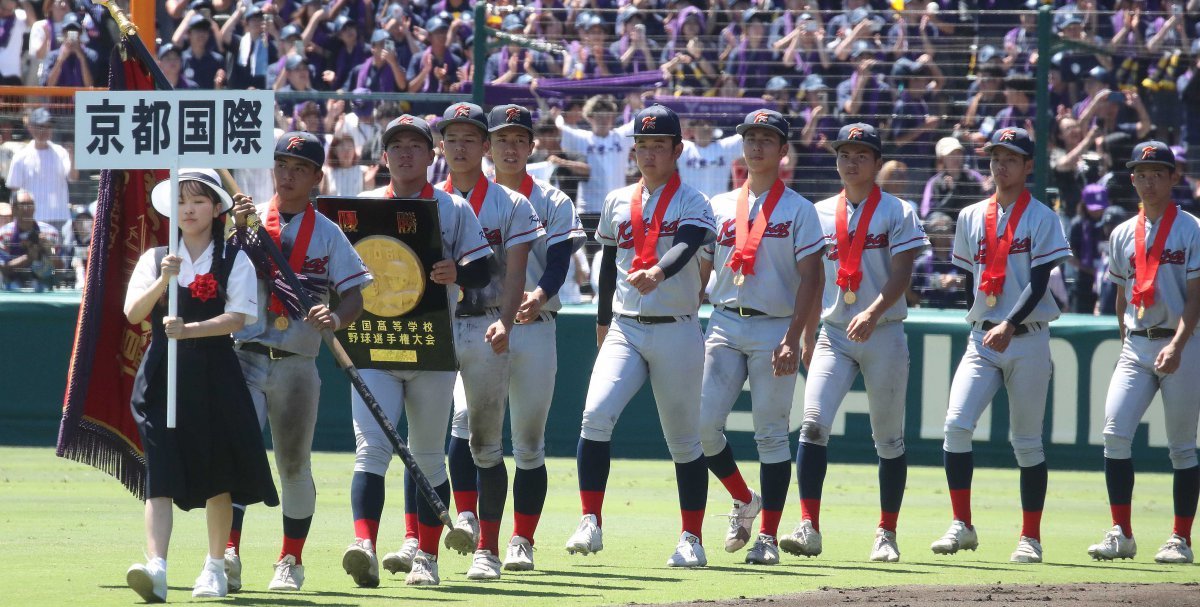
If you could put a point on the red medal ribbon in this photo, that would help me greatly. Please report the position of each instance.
(645, 242)
(426, 192)
(1144, 273)
(850, 251)
(478, 193)
(299, 248)
(746, 240)
(995, 264)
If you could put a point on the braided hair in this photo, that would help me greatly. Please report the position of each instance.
(218, 270)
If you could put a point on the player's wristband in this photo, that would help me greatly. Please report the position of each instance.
(337, 321)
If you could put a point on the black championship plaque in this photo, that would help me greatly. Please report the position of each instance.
(405, 322)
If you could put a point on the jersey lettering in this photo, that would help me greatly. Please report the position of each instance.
(625, 232)
(774, 230)
(318, 265)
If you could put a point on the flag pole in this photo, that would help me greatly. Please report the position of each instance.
(173, 296)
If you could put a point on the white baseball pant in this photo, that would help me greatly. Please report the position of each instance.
(480, 392)
(424, 396)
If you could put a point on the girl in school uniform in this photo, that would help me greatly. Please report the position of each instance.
(215, 453)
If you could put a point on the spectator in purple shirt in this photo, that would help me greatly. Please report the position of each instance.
(913, 123)
(72, 63)
(349, 53)
(818, 122)
(635, 49)
(865, 95)
(590, 56)
(954, 186)
(170, 61)
(1085, 238)
(435, 69)
(381, 73)
(751, 63)
(688, 61)
(1018, 93)
(803, 48)
(200, 64)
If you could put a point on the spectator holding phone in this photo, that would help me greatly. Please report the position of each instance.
(381, 73)
(435, 69)
(71, 64)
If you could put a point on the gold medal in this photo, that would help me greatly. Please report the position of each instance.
(281, 323)
(739, 280)
(991, 301)
(850, 297)
(1141, 312)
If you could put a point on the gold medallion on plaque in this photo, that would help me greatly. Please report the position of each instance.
(399, 276)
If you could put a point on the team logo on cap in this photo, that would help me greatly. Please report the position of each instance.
(512, 114)
(295, 144)
(761, 118)
(855, 133)
(1007, 135)
(462, 111)
(1149, 153)
(406, 120)
(648, 123)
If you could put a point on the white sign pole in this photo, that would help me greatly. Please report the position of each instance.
(173, 296)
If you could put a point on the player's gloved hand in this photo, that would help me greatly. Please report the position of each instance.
(785, 360)
(531, 305)
(321, 317)
(646, 281)
(1168, 359)
(601, 333)
(861, 326)
(497, 336)
(999, 337)
(444, 272)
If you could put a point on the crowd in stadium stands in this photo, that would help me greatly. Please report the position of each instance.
(937, 77)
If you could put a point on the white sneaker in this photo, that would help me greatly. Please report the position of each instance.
(359, 560)
(958, 537)
(211, 583)
(688, 552)
(519, 556)
(741, 521)
(1028, 550)
(587, 538)
(1176, 550)
(149, 580)
(485, 566)
(288, 574)
(233, 569)
(803, 541)
(765, 551)
(424, 570)
(464, 537)
(402, 559)
(1114, 546)
(885, 549)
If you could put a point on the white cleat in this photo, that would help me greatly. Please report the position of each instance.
(402, 559)
(803, 541)
(958, 537)
(688, 552)
(233, 569)
(464, 537)
(1028, 550)
(424, 570)
(519, 556)
(741, 521)
(289, 575)
(885, 549)
(485, 566)
(1114, 546)
(588, 538)
(149, 580)
(765, 551)
(1176, 550)
(211, 583)
(359, 560)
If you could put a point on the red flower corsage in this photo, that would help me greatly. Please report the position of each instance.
(204, 287)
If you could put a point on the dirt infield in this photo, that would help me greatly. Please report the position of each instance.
(1022, 595)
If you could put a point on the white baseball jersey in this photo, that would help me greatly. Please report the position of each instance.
(679, 295)
(1038, 240)
(330, 262)
(508, 219)
(1179, 263)
(607, 157)
(793, 233)
(894, 228)
(240, 294)
(710, 168)
(560, 223)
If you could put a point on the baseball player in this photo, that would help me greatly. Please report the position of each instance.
(1008, 243)
(871, 241)
(424, 396)
(278, 355)
(1156, 268)
(482, 325)
(768, 279)
(650, 232)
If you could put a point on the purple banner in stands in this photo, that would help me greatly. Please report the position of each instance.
(496, 94)
(720, 110)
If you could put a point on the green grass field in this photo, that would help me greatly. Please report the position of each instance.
(68, 532)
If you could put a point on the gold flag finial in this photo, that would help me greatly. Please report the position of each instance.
(123, 22)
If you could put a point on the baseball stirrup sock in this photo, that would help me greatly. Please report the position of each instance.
(1186, 492)
(464, 476)
(295, 531)
(235, 531)
(410, 506)
(429, 526)
(811, 463)
(529, 497)
(493, 485)
(1118, 477)
(893, 475)
(366, 502)
(691, 479)
(774, 480)
(960, 467)
(592, 461)
(725, 468)
(1033, 499)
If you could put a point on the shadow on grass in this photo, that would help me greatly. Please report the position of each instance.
(881, 568)
(494, 589)
(590, 572)
(784, 570)
(178, 594)
(1131, 566)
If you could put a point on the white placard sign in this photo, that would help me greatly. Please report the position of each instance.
(153, 129)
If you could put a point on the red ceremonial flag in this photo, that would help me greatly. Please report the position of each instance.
(97, 424)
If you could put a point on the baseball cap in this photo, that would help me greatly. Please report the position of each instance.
(656, 121)
(40, 117)
(436, 24)
(504, 116)
(253, 11)
(71, 22)
(1113, 215)
(380, 36)
(812, 82)
(1095, 197)
(946, 146)
(765, 119)
(463, 113)
(289, 31)
(1151, 152)
(198, 22)
(859, 48)
(168, 48)
(302, 145)
(858, 132)
(295, 62)
(1012, 138)
(776, 83)
(407, 122)
(511, 22)
(988, 52)
(160, 196)
(341, 23)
